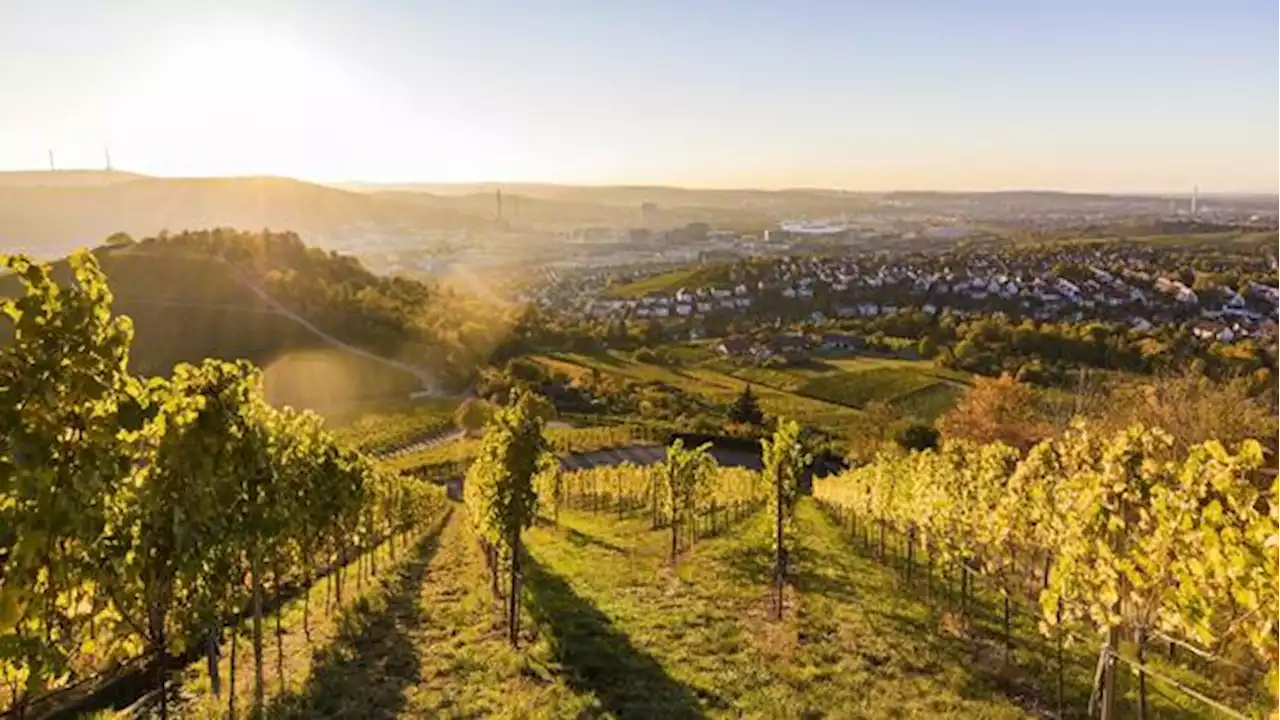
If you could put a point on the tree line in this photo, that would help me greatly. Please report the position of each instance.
(438, 325)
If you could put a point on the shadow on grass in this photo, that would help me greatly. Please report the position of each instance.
(838, 585)
(1029, 681)
(599, 659)
(581, 539)
(749, 563)
(364, 671)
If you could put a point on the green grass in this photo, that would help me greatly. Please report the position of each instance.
(710, 383)
(668, 283)
(828, 394)
(977, 638)
(313, 652)
(860, 388)
(915, 387)
(611, 629)
(929, 402)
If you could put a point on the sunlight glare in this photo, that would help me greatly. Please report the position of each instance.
(246, 102)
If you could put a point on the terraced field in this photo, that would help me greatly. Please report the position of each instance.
(712, 384)
(824, 393)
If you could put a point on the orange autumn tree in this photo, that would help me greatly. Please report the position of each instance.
(1000, 409)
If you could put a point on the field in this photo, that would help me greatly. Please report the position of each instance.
(612, 630)
(916, 387)
(829, 393)
(668, 283)
(392, 428)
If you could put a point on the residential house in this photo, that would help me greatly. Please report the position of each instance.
(841, 342)
(736, 346)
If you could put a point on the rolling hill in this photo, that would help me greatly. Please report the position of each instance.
(49, 214)
(186, 306)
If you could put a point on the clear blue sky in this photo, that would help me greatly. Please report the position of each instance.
(1122, 95)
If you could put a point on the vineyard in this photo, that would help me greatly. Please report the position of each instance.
(828, 395)
(142, 517)
(389, 433)
(451, 460)
(178, 546)
(1093, 537)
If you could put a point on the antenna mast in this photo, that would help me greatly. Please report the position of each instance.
(52, 167)
(106, 151)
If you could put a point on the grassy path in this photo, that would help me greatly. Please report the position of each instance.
(297, 657)
(613, 630)
(431, 649)
(648, 641)
(867, 648)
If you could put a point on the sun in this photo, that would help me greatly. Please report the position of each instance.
(240, 101)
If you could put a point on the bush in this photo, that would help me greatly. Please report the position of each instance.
(918, 437)
(471, 415)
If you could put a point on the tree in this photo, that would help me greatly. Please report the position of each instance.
(928, 347)
(653, 333)
(997, 410)
(471, 415)
(875, 428)
(119, 239)
(541, 407)
(917, 436)
(1191, 408)
(140, 516)
(784, 464)
(500, 494)
(746, 409)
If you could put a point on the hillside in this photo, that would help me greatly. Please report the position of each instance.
(830, 395)
(64, 178)
(265, 298)
(50, 220)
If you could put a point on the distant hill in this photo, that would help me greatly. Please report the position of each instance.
(629, 195)
(64, 178)
(49, 214)
(576, 206)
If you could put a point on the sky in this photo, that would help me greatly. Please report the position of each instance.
(1115, 95)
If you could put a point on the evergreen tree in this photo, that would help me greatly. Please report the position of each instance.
(746, 409)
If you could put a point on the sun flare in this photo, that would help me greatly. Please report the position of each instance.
(245, 101)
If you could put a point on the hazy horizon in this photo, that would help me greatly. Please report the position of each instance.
(392, 185)
(1135, 97)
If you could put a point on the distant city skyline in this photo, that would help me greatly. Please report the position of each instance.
(1119, 97)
